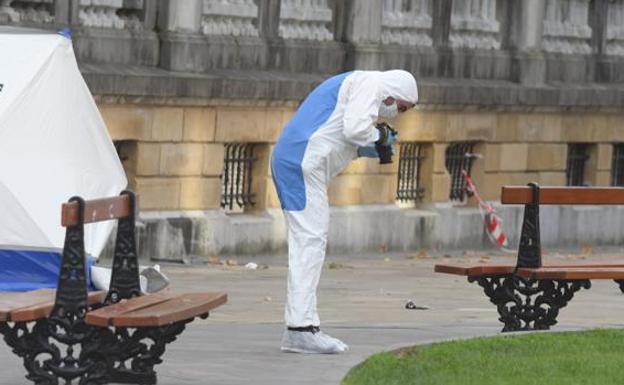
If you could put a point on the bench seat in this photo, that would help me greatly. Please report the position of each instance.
(572, 273)
(34, 305)
(157, 309)
(563, 271)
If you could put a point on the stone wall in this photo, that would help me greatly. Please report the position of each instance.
(175, 80)
(177, 153)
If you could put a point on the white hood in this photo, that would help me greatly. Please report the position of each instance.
(398, 84)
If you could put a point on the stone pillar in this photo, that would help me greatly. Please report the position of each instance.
(61, 12)
(361, 27)
(441, 28)
(363, 22)
(269, 16)
(527, 28)
(180, 16)
(150, 9)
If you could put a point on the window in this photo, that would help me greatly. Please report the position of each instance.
(236, 181)
(578, 153)
(124, 149)
(409, 187)
(459, 157)
(617, 166)
(127, 152)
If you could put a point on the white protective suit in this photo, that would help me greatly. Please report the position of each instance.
(320, 140)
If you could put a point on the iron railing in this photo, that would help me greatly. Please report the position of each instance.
(577, 157)
(236, 181)
(617, 166)
(409, 187)
(459, 157)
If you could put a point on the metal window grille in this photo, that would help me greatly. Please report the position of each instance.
(459, 156)
(577, 157)
(409, 187)
(236, 192)
(617, 166)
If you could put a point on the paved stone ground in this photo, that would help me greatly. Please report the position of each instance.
(361, 301)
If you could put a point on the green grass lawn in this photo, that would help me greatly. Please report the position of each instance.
(592, 357)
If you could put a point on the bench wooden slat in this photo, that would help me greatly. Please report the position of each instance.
(102, 317)
(564, 195)
(179, 308)
(33, 312)
(10, 301)
(479, 270)
(475, 270)
(573, 273)
(96, 210)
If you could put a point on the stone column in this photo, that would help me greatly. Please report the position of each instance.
(61, 12)
(180, 16)
(361, 27)
(441, 27)
(527, 28)
(363, 22)
(149, 14)
(269, 18)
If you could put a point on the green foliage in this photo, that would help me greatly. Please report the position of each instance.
(575, 358)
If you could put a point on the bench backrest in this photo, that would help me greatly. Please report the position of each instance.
(97, 210)
(564, 195)
(532, 196)
(71, 294)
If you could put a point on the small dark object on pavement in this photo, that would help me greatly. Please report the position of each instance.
(412, 306)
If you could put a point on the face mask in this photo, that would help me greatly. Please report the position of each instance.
(389, 112)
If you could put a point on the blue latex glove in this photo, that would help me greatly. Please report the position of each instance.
(367, 152)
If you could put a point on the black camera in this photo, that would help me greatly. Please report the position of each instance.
(384, 151)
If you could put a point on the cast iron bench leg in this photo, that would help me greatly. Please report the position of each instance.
(138, 350)
(499, 289)
(525, 304)
(51, 350)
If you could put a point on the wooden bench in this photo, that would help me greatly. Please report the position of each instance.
(529, 295)
(100, 337)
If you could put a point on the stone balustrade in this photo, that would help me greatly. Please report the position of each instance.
(615, 28)
(566, 28)
(474, 24)
(34, 11)
(306, 20)
(229, 17)
(517, 40)
(407, 22)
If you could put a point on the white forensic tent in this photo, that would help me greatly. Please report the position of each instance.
(53, 145)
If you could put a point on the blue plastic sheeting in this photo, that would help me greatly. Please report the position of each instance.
(25, 270)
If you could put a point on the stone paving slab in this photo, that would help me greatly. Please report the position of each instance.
(361, 301)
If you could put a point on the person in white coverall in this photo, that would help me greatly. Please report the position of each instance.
(334, 125)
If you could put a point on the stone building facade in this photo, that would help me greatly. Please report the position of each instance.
(196, 92)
